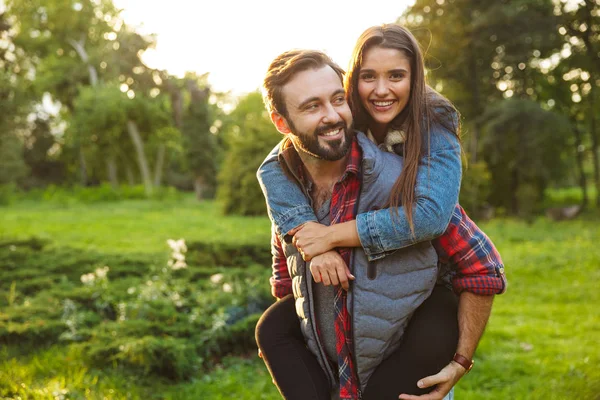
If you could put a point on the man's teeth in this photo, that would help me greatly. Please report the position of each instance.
(331, 133)
(382, 103)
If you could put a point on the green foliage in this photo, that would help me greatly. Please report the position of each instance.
(201, 147)
(523, 145)
(251, 136)
(475, 187)
(170, 320)
(13, 165)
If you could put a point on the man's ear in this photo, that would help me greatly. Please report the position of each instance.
(280, 123)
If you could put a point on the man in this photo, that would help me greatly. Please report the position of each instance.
(325, 158)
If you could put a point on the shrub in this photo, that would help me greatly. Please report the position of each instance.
(251, 137)
(475, 187)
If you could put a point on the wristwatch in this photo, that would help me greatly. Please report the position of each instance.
(463, 361)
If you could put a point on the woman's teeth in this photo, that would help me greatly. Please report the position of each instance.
(383, 103)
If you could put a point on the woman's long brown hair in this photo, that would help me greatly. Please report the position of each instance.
(425, 107)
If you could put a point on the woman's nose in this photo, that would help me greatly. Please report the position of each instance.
(381, 88)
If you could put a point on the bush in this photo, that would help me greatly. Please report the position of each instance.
(66, 196)
(475, 187)
(251, 137)
(156, 318)
(8, 194)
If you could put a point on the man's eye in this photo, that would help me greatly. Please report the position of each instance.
(339, 100)
(311, 107)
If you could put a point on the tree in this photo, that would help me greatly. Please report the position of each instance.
(523, 145)
(200, 143)
(73, 44)
(494, 65)
(14, 104)
(110, 125)
(250, 136)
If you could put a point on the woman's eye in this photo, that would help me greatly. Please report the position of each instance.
(396, 77)
(367, 77)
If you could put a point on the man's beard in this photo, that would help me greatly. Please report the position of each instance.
(334, 150)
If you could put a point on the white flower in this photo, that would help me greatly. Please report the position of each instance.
(227, 288)
(180, 264)
(131, 290)
(216, 278)
(88, 279)
(101, 272)
(178, 246)
(178, 256)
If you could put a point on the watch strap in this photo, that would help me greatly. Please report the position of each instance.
(463, 361)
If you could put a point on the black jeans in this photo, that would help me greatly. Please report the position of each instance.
(428, 345)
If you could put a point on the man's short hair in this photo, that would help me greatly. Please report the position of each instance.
(284, 67)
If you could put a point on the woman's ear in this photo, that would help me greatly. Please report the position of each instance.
(280, 123)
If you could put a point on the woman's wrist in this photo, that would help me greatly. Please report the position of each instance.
(344, 234)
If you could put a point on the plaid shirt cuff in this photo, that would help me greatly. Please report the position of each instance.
(481, 284)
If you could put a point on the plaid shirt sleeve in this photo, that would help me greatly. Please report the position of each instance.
(476, 264)
(281, 282)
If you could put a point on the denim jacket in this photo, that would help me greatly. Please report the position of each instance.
(380, 232)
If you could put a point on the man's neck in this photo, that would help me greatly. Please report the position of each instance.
(323, 173)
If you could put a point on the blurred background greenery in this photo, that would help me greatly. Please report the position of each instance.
(103, 159)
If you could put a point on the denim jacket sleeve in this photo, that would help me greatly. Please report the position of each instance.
(380, 232)
(287, 205)
(436, 195)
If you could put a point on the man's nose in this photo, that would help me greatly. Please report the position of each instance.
(331, 115)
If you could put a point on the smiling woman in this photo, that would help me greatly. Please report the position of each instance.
(384, 87)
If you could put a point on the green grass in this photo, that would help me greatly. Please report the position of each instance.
(140, 226)
(542, 341)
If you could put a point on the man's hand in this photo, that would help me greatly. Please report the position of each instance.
(444, 381)
(331, 269)
(312, 239)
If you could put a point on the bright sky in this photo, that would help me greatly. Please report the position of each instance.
(236, 40)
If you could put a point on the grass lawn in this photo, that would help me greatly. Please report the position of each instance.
(542, 342)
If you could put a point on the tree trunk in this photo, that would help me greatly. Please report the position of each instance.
(593, 58)
(111, 168)
(130, 176)
(176, 104)
(83, 175)
(138, 144)
(158, 167)
(594, 136)
(80, 49)
(579, 157)
(199, 187)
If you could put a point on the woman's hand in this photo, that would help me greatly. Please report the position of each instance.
(312, 239)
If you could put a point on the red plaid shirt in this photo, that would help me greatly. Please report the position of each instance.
(473, 262)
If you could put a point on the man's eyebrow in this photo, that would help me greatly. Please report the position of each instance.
(315, 98)
(339, 91)
(307, 101)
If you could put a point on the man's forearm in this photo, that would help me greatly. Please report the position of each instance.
(473, 314)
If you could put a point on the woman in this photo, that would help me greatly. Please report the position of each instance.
(390, 101)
